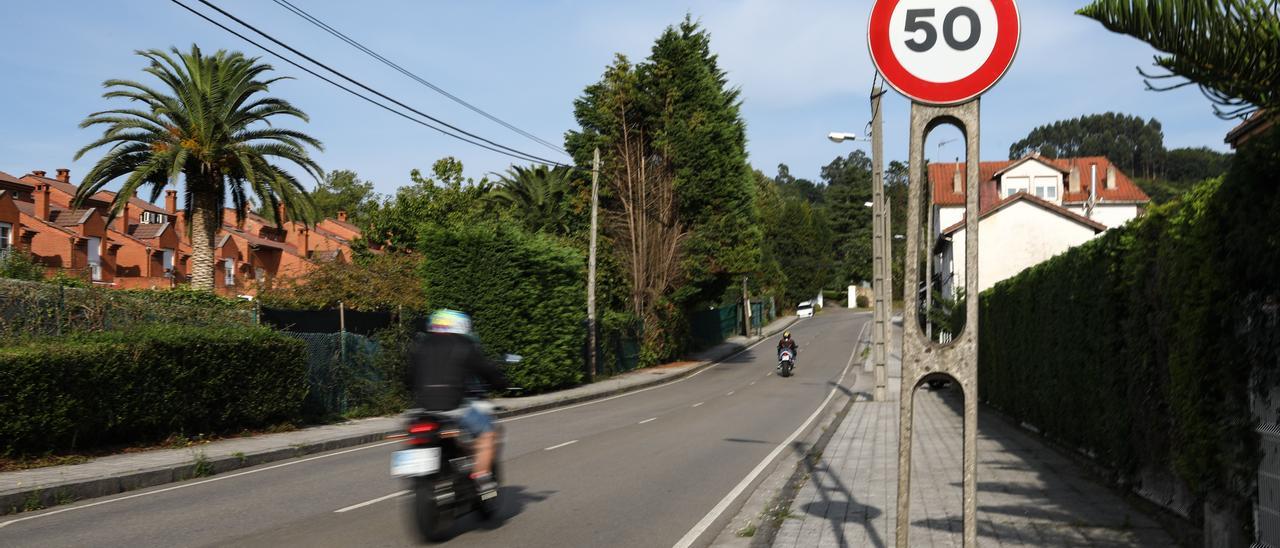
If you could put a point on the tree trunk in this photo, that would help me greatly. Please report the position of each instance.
(204, 227)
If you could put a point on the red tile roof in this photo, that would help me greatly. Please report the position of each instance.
(1044, 204)
(147, 231)
(941, 177)
(261, 242)
(68, 217)
(29, 209)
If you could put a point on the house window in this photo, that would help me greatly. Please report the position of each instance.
(229, 272)
(6, 238)
(167, 261)
(260, 274)
(1047, 188)
(95, 258)
(153, 218)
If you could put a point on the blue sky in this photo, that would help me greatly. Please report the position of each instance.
(802, 67)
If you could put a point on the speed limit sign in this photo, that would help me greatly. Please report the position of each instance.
(943, 52)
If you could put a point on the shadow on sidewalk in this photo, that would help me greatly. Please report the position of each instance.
(838, 512)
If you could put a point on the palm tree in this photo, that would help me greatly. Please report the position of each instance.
(538, 196)
(1227, 47)
(212, 126)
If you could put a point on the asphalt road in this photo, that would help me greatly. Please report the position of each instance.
(642, 469)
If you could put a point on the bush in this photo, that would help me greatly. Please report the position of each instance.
(20, 265)
(384, 282)
(525, 293)
(1141, 345)
(145, 384)
(863, 301)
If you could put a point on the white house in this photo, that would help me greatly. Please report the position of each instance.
(1031, 209)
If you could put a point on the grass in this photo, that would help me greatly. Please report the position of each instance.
(748, 531)
(202, 467)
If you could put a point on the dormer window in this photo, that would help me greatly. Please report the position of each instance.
(1047, 188)
(153, 218)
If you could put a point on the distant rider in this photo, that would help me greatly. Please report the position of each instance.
(444, 360)
(788, 343)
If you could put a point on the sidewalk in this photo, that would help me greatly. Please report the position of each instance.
(43, 487)
(1028, 495)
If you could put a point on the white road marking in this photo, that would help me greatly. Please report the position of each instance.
(709, 519)
(202, 482)
(730, 393)
(565, 444)
(647, 421)
(699, 404)
(602, 400)
(753, 383)
(374, 501)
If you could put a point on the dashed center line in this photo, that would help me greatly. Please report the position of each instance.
(753, 383)
(565, 444)
(646, 421)
(699, 404)
(368, 502)
(730, 393)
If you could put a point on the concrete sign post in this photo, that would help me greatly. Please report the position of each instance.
(943, 55)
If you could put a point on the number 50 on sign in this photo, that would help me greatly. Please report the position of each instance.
(943, 52)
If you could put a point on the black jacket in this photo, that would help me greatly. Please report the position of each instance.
(443, 364)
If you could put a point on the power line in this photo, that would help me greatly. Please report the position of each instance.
(484, 143)
(356, 44)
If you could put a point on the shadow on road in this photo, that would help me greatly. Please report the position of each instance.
(837, 504)
(516, 499)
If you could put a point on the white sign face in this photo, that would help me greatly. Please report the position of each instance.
(943, 40)
(943, 52)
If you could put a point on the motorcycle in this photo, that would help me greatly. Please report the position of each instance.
(786, 363)
(438, 461)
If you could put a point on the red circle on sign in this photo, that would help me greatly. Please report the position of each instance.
(1008, 33)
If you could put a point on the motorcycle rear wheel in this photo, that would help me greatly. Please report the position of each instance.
(431, 521)
(492, 508)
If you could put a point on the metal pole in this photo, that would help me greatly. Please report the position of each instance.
(746, 306)
(880, 248)
(591, 268)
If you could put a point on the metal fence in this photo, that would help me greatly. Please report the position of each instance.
(713, 326)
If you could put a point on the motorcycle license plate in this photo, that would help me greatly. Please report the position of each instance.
(415, 462)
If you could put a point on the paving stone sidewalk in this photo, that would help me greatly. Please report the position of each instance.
(42, 487)
(1028, 494)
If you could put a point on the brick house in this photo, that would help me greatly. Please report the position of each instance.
(147, 246)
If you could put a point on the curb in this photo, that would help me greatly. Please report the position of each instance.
(56, 494)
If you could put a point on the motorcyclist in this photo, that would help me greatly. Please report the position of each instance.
(788, 343)
(443, 361)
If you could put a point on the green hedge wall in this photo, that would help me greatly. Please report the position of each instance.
(146, 384)
(1142, 346)
(525, 293)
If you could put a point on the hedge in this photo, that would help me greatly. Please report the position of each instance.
(1142, 346)
(142, 385)
(525, 293)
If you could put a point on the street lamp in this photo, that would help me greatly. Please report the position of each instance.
(839, 137)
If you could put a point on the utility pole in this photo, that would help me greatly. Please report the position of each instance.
(591, 268)
(882, 249)
(746, 307)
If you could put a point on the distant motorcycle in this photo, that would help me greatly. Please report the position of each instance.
(438, 463)
(786, 363)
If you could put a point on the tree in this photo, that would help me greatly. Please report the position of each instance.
(1135, 145)
(1226, 47)
(342, 190)
(802, 188)
(211, 125)
(694, 119)
(848, 191)
(540, 198)
(446, 198)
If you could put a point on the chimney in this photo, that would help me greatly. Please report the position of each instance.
(1074, 180)
(122, 222)
(171, 202)
(1111, 176)
(342, 216)
(304, 240)
(64, 175)
(955, 181)
(281, 218)
(38, 173)
(42, 201)
(1093, 190)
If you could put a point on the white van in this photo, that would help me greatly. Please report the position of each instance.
(804, 309)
